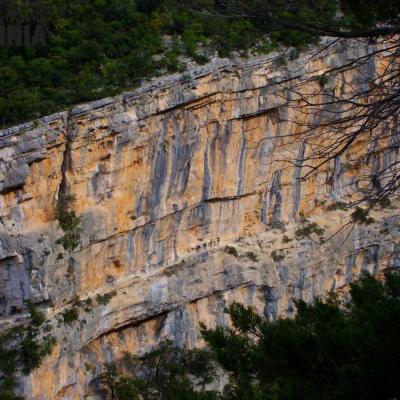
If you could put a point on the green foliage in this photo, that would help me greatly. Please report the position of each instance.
(251, 256)
(86, 304)
(232, 251)
(37, 316)
(7, 389)
(105, 298)
(166, 373)
(319, 203)
(308, 229)
(70, 315)
(186, 78)
(330, 350)
(95, 49)
(67, 220)
(337, 206)
(382, 202)
(32, 351)
(23, 349)
(361, 216)
(296, 22)
(286, 239)
(70, 224)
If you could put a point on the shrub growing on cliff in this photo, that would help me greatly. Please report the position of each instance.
(286, 239)
(361, 216)
(232, 251)
(309, 229)
(70, 315)
(22, 349)
(37, 316)
(69, 222)
(105, 298)
(251, 256)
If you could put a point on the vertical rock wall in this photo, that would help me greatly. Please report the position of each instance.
(163, 179)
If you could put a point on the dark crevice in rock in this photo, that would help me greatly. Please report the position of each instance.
(206, 176)
(172, 308)
(336, 187)
(242, 165)
(63, 190)
(275, 198)
(273, 112)
(229, 198)
(133, 324)
(297, 179)
(178, 105)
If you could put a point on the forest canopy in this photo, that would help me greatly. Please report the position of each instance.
(97, 48)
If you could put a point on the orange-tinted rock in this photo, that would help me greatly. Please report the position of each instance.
(163, 179)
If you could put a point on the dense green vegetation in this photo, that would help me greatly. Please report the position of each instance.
(22, 349)
(69, 222)
(104, 299)
(166, 373)
(331, 350)
(98, 48)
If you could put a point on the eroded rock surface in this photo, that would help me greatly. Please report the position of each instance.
(163, 179)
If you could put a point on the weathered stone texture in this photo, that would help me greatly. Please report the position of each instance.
(163, 179)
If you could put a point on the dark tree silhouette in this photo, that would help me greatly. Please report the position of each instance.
(330, 350)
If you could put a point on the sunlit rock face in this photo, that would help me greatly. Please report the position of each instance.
(163, 180)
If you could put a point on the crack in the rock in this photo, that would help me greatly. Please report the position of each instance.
(164, 312)
(155, 220)
(230, 198)
(66, 162)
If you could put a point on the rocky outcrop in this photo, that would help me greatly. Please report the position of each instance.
(187, 200)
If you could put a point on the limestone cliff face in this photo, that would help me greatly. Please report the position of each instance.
(163, 179)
